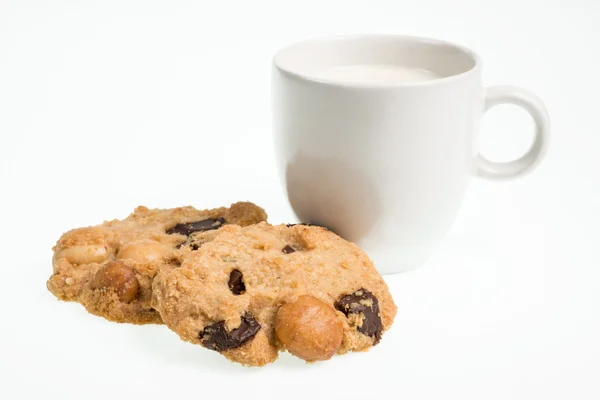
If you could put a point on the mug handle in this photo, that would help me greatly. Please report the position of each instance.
(531, 103)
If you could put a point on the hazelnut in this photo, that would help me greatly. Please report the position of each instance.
(309, 329)
(119, 277)
(143, 251)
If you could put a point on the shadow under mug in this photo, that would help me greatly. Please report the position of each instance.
(386, 164)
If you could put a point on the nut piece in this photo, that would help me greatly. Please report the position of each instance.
(309, 329)
(118, 276)
(83, 254)
(143, 251)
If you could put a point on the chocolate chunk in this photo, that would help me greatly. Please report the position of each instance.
(193, 246)
(236, 285)
(216, 337)
(288, 249)
(198, 226)
(305, 224)
(362, 302)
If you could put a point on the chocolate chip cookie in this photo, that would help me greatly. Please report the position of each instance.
(251, 292)
(109, 268)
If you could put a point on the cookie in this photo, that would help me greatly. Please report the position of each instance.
(109, 268)
(252, 292)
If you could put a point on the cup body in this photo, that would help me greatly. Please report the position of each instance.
(383, 165)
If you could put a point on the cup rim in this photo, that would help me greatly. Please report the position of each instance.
(418, 39)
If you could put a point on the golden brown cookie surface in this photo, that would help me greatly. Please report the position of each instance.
(252, 292)
(109, 268)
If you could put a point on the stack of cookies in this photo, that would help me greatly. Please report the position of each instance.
(229, 281)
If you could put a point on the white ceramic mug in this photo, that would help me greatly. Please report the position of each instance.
(385, 164)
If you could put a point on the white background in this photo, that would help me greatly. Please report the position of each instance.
(107, 105)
